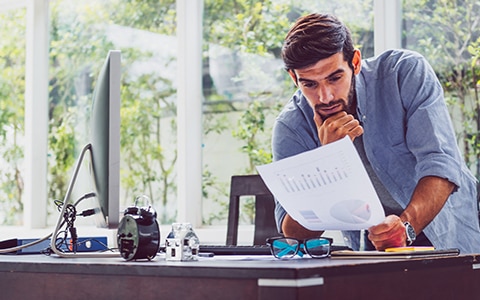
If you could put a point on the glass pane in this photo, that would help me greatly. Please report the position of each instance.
(447, 33)
(82, 33)
(245, 85)
(12, 101)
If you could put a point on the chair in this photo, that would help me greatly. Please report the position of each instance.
(265, 226)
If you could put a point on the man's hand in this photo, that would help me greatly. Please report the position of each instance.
(389, 233)
(427, 200)
(336, 127)
(292, 228)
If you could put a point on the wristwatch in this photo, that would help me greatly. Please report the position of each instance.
(410, 232)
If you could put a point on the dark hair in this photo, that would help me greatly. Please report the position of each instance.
(315, 37)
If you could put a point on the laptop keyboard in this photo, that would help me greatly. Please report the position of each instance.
(248, 249)
(236, 249)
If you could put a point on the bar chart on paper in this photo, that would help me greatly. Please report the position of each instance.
(325, 188)
(314, 175)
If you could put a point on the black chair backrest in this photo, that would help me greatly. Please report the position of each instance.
(265, 226)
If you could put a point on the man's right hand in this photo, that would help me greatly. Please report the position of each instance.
(336, 127)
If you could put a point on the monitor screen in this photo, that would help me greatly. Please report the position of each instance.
(105, 140)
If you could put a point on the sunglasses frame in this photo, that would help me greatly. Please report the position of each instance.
(299, 244)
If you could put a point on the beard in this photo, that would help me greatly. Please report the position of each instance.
(349, 105)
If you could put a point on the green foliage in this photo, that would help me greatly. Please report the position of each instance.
(80, 38)
(444, 31)
(147, 167)
(79, 43)
(150, 15)
(250, 126)
(62, 141)
(244, 25)
(474, 140)
(218, 191)
(252, 130)
(77, 39)
(148, 127)
(12, 90)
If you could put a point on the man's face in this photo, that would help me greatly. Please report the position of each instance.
(328, 85)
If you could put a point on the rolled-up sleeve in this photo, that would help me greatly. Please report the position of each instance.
(429, 135)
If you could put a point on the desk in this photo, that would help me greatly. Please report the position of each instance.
(43, 277)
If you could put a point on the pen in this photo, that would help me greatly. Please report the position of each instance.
(403, 249)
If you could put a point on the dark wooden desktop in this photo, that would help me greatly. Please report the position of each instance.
(42, 277)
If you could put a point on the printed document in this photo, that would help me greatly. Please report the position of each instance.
(326, 188)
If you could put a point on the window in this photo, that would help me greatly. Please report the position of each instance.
(81, 35)
(245, 86)
(447, 34)
(12, 91)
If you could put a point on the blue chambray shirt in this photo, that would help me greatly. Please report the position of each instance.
(407, 135)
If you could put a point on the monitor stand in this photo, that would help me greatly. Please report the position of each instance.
(61, 222)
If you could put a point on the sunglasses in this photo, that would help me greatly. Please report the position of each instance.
(286, 247)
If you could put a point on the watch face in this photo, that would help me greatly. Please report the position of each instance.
(411, 236)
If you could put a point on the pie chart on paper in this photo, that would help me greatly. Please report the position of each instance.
(352, 211)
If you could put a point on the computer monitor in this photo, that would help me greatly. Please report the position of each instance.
(105, 141)
(104, 149)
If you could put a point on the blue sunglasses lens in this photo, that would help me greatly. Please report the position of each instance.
(289, 247)
(284, 248)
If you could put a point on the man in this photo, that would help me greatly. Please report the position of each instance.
(393, 109)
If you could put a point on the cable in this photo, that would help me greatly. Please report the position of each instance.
(86, 196)
(18, 248)
(59, 205)
(87, 212)
(70, 216)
